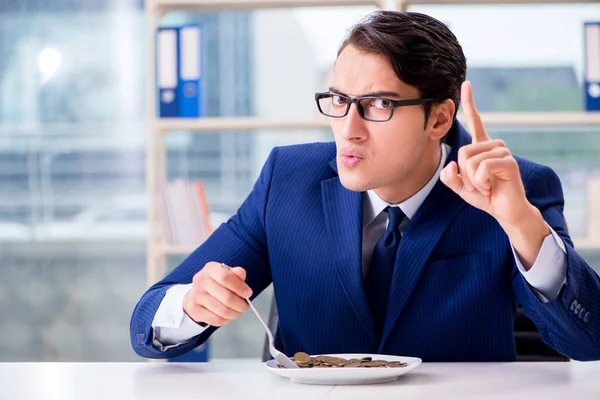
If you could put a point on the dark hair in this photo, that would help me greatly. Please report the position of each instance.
(423, 52)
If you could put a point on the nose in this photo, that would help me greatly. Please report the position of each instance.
(353, 126)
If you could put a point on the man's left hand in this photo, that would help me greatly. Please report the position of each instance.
(487, 177)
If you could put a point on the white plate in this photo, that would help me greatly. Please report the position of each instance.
(347, 376)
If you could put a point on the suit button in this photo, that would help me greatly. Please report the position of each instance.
(577, 309)
(581, 313)
(573, 305)
(587, 317)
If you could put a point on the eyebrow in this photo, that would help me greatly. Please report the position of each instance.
(380, 93)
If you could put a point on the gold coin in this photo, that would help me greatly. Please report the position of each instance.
(301, 357)
(396, 364)
(353, 364)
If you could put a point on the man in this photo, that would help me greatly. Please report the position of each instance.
(407, 236)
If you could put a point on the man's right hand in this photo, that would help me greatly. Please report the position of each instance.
(217, 295)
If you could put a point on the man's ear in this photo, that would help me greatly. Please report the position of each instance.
(440, 119)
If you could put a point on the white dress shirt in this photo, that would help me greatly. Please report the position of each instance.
(172, 327)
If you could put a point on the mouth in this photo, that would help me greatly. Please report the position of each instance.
(352, 156)
(350, 152)
(350, 160)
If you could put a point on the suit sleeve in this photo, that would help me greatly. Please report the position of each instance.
(241, 242)
(570, 323)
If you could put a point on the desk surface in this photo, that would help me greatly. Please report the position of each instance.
(251, 380)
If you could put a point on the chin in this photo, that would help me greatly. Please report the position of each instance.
(353, 183)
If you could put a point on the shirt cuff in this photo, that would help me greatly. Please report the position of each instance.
(171, 326)
(549, 271)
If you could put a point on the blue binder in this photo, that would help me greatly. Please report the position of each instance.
(592, 66)
(167, 60)
(191, 76)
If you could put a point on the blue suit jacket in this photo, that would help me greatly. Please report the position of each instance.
(455, 284)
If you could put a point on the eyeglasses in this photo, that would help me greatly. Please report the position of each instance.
(375, 109)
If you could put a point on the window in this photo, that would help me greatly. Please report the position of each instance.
(73, 136)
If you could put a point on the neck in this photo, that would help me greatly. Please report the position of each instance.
(417, 179)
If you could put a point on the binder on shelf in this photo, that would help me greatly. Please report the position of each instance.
(592, 66)
(190, 89)
(167, 56)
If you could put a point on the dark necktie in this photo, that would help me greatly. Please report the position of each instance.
(379, 276)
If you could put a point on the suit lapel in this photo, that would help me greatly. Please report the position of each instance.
(343, 218)
(420, 237)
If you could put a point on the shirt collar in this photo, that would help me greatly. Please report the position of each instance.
(373, 205)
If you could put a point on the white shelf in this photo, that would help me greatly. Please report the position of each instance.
(237, 124)
(517, 119)
(224, 5)
(548, 118)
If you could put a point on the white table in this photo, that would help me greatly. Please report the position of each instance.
(251, 380)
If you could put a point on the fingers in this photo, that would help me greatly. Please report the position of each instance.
(240, 273)
(496, 168)
(226, 297)
(216, 296)
(450, 178)
(229, 279)
(472, 115)
(216, 305)
(476, 175)
(200, 313)
(478, 168)
(469, 157)
(221, 309)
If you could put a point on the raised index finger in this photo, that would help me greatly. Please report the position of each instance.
(472, 116)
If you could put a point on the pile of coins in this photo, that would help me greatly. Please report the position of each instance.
(303, 360)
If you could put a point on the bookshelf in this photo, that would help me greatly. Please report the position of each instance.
(158, 249)
(157, 128)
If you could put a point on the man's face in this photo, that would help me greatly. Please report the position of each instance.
(386, 156)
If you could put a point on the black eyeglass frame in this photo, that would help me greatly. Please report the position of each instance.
(356, 101)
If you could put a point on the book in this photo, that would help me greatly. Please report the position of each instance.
(184, 213)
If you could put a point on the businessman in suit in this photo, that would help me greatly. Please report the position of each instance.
(408, 235)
